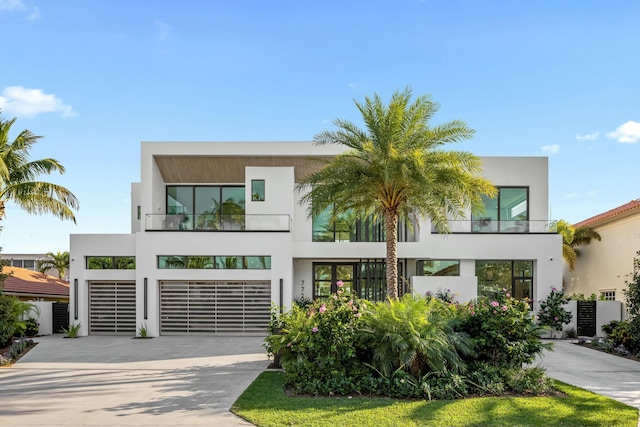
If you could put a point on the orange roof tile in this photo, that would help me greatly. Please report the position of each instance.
(24, 281)
(624, 210)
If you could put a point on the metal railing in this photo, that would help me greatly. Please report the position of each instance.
(208, 222)
(492, 226)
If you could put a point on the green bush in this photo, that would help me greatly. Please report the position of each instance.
(552, 314)
(503, 331)
(529, 381)
(8, 320)
(32, 327)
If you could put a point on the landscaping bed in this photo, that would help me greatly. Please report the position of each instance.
(11, 353)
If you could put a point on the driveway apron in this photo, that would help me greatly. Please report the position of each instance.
(120, 381)
(599, 372)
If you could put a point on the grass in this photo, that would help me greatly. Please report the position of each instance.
(264, 404)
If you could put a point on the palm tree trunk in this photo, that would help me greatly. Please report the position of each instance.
(391, 231)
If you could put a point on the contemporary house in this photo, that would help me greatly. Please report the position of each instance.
(218, 234)
(603, 267)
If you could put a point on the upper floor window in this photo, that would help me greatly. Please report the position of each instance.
(608, 295)
(506, 213)
(257, 190)
(438, 267)
(205, 207)
(347, 227)
(111, 262)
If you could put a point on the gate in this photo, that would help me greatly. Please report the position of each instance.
(60, 314)
(586, 322)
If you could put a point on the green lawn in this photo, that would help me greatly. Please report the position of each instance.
(264, 403)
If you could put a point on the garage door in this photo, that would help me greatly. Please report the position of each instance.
(112, 308)
(214, 307)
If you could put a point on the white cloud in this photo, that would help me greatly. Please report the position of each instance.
(12, 5)
(30, 102)
(588, 136)
(551, 149)
(628, 133)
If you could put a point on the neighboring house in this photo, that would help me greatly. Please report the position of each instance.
(29, 285)
(27, 261)
(217, 235)
(603, 267)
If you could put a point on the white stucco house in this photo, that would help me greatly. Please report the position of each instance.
(217, 235)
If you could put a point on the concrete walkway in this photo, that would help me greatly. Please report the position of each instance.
(120, 381)
(602, 373)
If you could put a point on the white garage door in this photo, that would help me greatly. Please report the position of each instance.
(214, 307)
(112, 308)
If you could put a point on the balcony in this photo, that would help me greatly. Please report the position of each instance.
(206, 222)
(492, 226)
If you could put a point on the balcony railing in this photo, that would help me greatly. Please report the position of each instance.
(206, 222)
(488, 225)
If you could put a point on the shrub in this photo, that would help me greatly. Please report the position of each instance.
(503, 331)
(416, 335)
(318, 346)
(552, 314)
(529, 381)
(32, 327)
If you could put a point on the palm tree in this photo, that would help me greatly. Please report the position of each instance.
(58, 261)
(572, 238)
(18, 177)
(395, 169)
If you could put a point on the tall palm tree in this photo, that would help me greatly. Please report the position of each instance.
(572, 239)
(396, 168)
(58, 261)
(18, 177)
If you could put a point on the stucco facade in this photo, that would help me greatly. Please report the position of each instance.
(184, 260)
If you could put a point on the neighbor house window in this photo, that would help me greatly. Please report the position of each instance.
(506, 213)
(167, 262)
(608, 295)
(514, 276)
(438, 267)
(257, 190)
(111, 262)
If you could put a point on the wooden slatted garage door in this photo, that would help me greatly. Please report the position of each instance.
(214, 307)
(112, 308)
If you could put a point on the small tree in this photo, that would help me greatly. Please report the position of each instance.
(552, 314)
(632, 296)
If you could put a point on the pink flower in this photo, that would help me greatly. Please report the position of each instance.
(314, 329)
(340, 283)
(494, 303)
(473, 313)
(350, 303)
(323, 308)
(504, 308)
(358, 314)
(508, 295)
(495, 312)
(555, 318)
(339, 291)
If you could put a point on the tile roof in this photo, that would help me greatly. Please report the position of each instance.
(29, 282)
(610, 215)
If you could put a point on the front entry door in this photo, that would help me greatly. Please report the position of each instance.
(327, 275)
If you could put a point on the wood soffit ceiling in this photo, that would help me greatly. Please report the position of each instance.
(227, 169)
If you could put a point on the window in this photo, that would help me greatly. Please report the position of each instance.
(609, 295)
(111, 262)
(507, 213)
(205, 207)
(365, 279)
(167, 262)
(29, 264)
(514, 276)
(139, 212)
(347, 227)
(257, 190)
(434, 267)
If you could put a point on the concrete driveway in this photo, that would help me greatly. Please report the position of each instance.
(602, 373)
(120, 381)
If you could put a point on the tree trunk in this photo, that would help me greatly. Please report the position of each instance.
(391, 231)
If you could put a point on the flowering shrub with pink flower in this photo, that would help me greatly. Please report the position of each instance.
(503, 331)
(552, 313)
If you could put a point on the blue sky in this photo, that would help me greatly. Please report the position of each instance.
(534, 78)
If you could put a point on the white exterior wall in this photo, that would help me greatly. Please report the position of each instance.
(136, 223)
(605, 265)
(293, 253)
(43, 315)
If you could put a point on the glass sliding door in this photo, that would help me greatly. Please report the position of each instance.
(207, 208)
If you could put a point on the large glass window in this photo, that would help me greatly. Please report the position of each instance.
(347, 227)
(205, 207)
(514, 276)
(438, 267)
(506, 213)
